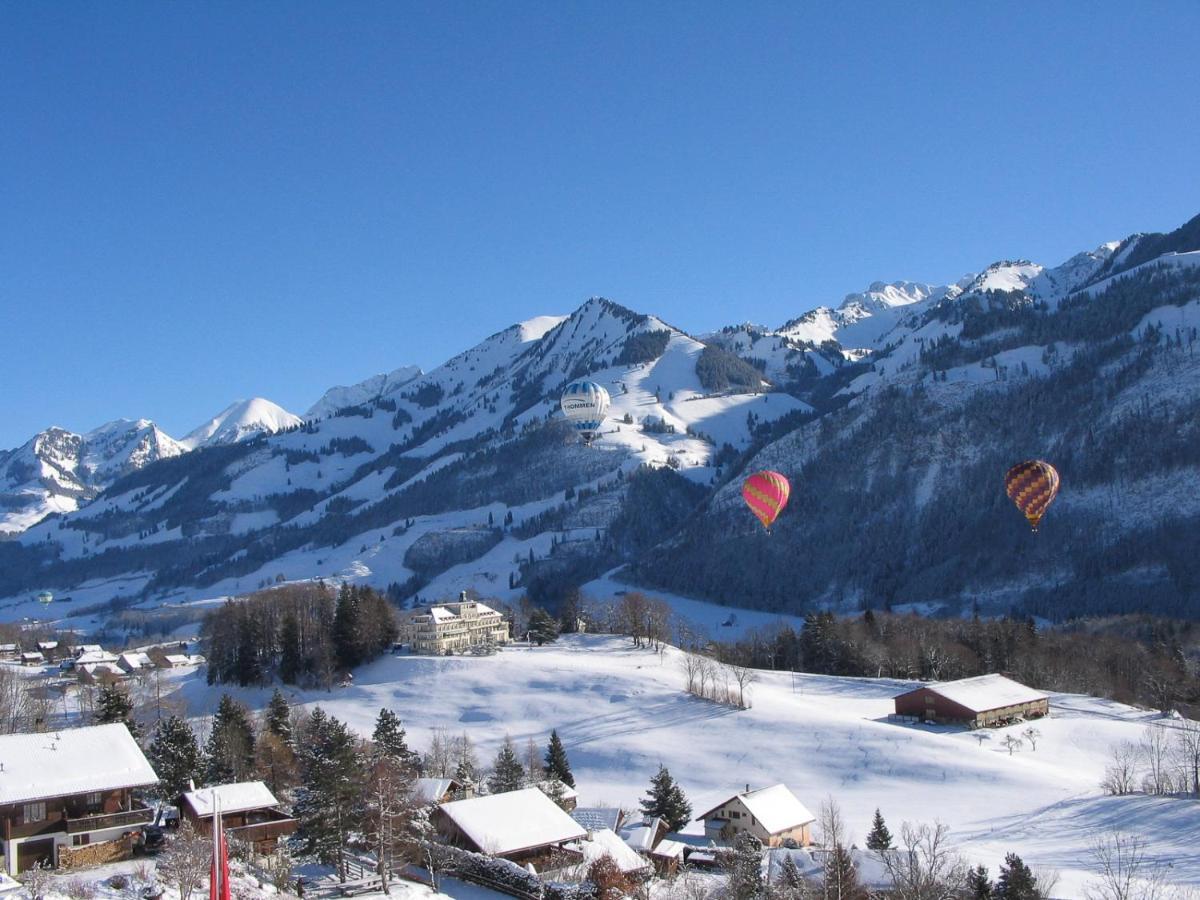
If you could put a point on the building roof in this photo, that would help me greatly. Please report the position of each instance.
(593, 818)
(47, 645)
(178, 659)
(640, 835)
(239, 797)
(432, 790)
(669, 849)
(135, 660)
(90, 657)
(88, 648)
(776, 808)
(985, 692)
(71, 761)
(32, 654)
(8, 648)
(606, 842)
(513, 821)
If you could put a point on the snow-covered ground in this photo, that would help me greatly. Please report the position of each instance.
(622, 711)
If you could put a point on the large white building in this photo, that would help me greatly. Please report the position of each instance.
(454, 627)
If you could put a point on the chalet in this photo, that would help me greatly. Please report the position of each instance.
(567, 794)
(523, 826)
(645, 835)
(100, 673)
(773, 815)
(32, 658)
(174, 661)
(52, 650)
(92, 656)
(667, 857)
(249, 812)
(10, 651)
(67, 797)
(433, 791)
(132, 661)
(980, 702)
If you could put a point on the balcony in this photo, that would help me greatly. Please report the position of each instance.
(133, 818)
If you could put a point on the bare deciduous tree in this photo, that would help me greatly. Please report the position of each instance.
(1032, 735)
(1120, 775)
(1155, 751)
(744, 677)
(1124, 871)
(1011, 742)
(184, 864)
(926, 868)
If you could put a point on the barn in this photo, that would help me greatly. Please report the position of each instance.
(980, 702)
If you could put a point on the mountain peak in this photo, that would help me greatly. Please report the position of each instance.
(343, 396)
(239, 421)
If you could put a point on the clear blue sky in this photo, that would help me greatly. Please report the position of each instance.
(201, 202)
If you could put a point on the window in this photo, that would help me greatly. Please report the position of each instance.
(80, 840)
(35, 812)
(735, 814)
(93, 800)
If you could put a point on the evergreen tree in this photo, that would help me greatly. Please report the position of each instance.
(175, 755)
(790, 878)
(666, 800)
(556, 761)
(329, 800)
(114, 705)
(543, 627)
(229, 752)
(279, 717)
(879, 838)
(291, 657)
(347, 628)
(388, 738)
(507, 773)
(979, 886)
(1016, 881)
(745, 868)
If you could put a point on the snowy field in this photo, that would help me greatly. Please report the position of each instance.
(622, 711)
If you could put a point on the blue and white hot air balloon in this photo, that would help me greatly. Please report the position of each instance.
(585, 405)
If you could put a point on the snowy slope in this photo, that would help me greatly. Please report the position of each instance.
(621, 712)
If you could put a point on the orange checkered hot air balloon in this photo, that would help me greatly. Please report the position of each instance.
(1032, 486)
(766, 493)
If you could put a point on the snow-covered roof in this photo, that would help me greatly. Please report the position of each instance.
(776, 808)
(178, 659)
(984, 692)
(71, 761)
(640, 836)
(567, 792)
(607, 842)
(135, 660)
(8, 648)
(47, 645)
(593, 818)
(669, 849)
(441, 614)
(32, 655)
(91, 657)
(432, 790)
(88, 648)
(237, 797)
(516, 820)
(103, 668)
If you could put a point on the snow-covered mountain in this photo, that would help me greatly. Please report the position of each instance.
(241, 421)
(892, 413)
(57, 470)
(367, 391)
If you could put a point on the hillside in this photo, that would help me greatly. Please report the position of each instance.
(621, 712)
(895, 415)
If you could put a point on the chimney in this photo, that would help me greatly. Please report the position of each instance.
(747, 789)
(191, 784)
(462, 597)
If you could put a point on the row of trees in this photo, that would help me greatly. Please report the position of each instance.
(1165, 761)
(301, 633)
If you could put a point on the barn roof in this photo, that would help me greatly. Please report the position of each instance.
(985, 692)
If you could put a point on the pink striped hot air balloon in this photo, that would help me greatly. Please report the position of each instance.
(766, 493)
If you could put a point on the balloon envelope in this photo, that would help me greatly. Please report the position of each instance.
(45, 597)
(1032, 485)
(766, 493)
(585, 405)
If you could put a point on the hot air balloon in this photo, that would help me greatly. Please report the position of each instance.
(585, 404)
(1032, 486)
(45, 598)
(766, 493)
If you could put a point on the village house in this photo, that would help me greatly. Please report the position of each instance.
(773, 815)
(523, 826)
(249, 812)
(100, 673)
(454, 627)
(667, 857)
(979, 702)
(52, 650)
(132, 661)
(604, 842)
(9, 651)
(32, 658)
(643, 836)
(432, 791)
(594, 818)
(67, 797)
